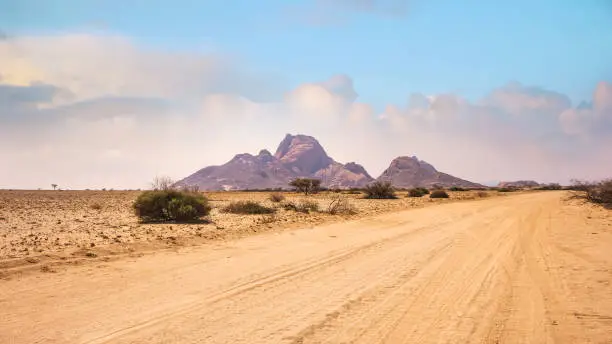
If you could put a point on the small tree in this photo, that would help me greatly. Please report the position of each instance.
(163, 183)
(54, 186)
(306, 185)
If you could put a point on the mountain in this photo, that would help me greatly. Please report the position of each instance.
(409, 172)
(519, 184)
(296, 156)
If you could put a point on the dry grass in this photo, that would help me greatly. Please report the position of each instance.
(66, 224)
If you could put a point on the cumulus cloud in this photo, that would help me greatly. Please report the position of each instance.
(96, 111)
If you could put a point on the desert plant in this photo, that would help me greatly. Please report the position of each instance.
(594, 192)
(438, 194)
(247, 208)
(54, 186)
(277, 197)
(170, 205)
(551, 186)
(306, 185)
(417, 192)
(482, 194)
(456, 188)
(506, 190)
(96, 206)
(163, 183)
(341, 206)
(303, 206)
(380, 190)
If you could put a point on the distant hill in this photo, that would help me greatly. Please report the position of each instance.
(409, 172)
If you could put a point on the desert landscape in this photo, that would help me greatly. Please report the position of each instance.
(42, 229)
(305, 172)
(520, 267)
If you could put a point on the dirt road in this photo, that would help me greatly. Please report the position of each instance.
(519, 269)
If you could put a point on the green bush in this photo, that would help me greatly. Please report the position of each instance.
(417, 192)
(248, 208)
(170, 205)
(457, 188)
(506, 189)
(306, 185)
(380, 190)
(438, 194)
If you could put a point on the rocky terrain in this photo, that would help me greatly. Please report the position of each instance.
(303, 156)
(409, 172)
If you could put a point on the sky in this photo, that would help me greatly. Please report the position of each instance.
(112, 93)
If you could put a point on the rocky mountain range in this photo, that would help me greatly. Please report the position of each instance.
(303, 156)
(519, 184)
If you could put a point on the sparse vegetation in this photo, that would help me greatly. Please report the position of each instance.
(594, 192)
(54, 186)
(417, 192)
(341, 206)
(170, 205)
(248, 208)
(456, 188)
(303, 206)
(277, 197)
(482, 194)
(438, 194)
(162, 183)
(96, 206)
(380, 190)
(306, 185)
(551, 186)
(506, 189)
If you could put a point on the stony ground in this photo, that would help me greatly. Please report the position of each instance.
(57, 225)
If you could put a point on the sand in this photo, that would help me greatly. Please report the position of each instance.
(528, 268)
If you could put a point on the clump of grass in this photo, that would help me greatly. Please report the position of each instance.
(457, 188)
(171, 205)
(417, 192)
(341, 206)
(248, 208)
(96, 206)
(506, 189)
(438, 194)
(380, 190)
(277, 197)
(303, 206)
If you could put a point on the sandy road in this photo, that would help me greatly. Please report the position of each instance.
(517, 269)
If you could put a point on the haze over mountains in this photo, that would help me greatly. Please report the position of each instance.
(303, 156)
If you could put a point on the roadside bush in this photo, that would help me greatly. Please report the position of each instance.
(552, 186)
(380, 190)
(341, 206)
(439, 194)
(277, 197)
(595, 192)
(457, 188)
(417, 192)
(248, 208)
(170, 205)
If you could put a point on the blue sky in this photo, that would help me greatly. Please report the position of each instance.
(463, 47)
(495, 84)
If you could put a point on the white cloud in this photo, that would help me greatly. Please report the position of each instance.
(89, 111)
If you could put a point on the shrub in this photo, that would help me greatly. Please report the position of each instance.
(552, 186)
(96, 206)
(306, 185)
(341, 206)
(170, 205)
(482, 194)
(277, 197)
(438, 194)
(248, 208)
(304, 206)
(380, 190)
(597, 192)
(417, 192)
(457, 188)
(506, 189)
